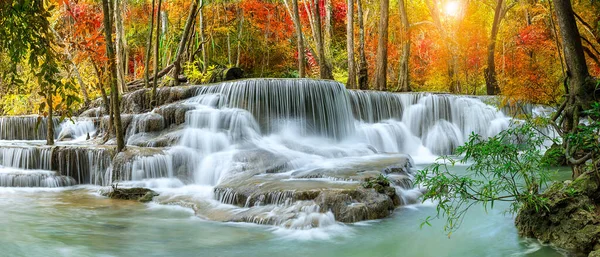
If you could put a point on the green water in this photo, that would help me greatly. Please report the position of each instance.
(78, 222)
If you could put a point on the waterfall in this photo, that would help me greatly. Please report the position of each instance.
(78, 129)
(320, 107)
(85, 165)
(28, 158)
(33, 178)
(294, 128)
(25, 128)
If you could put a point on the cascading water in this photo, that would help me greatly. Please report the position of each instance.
(268, 145)
(25, 128)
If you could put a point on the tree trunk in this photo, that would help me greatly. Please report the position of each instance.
(239, 36)
(156, 55)
(324, 69)
(328, 36)
(381, 59)
(149, 48)
(110, 53)
(186, 31)
(121, 45)
(491, 82)
(581, 89)
(403, 74)
(295, 15)
(351, 83)
(363, 71)
(202, 38)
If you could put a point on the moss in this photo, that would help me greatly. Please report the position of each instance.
(137, 194)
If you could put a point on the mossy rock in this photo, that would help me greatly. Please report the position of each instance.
(570, 219)
(139, 194)
(555, 156)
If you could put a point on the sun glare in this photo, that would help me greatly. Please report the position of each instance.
(452, 8)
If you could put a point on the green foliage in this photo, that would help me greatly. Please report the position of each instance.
(586, 138)
(27, 35)
(380, 180)
(194, 74)
(505, 168)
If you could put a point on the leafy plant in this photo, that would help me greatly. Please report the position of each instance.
(505, 168)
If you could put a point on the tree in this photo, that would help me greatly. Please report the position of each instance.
(26, 34)
(324, 69)
(363, 71)
(149, 48)
(179, 56)
(582, 89)
(112, 67)
(404, 74)
(121, 45)
(295, 15)
(382, 40)
(350, 45)
(491, 82)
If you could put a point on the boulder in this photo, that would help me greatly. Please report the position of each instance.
(139, 194)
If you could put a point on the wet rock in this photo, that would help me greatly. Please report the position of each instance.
(93, 112)
(174, 114)
(105, 122)
(571, 219)
(147, 122)
(139, 194)
(356, 205)
(349, 202)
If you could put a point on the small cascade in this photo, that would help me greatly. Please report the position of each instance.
(33, 178)
(85, 165)
(443, 138)
(25, 128)
(28, 157)
(237, 124)
(148, 167)
(79, 129)
(320, 107)
(376, 106)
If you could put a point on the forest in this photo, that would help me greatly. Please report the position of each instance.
(482, 47)
(300, 128)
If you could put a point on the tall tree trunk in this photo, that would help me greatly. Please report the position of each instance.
(381, 59)
(403, 74)
(328, 35)
(324, 69)
(295, 15)
(363, 70)
(156, 55)
(351, 83)
(114, 92)
(121, 44)
(149, 48)
(202, 38)
(491, 83)
(239, 36)
(581, 89)
(181, 48)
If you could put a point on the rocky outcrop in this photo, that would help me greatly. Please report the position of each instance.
(571, 218)
(139, 194)
(348, 200)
